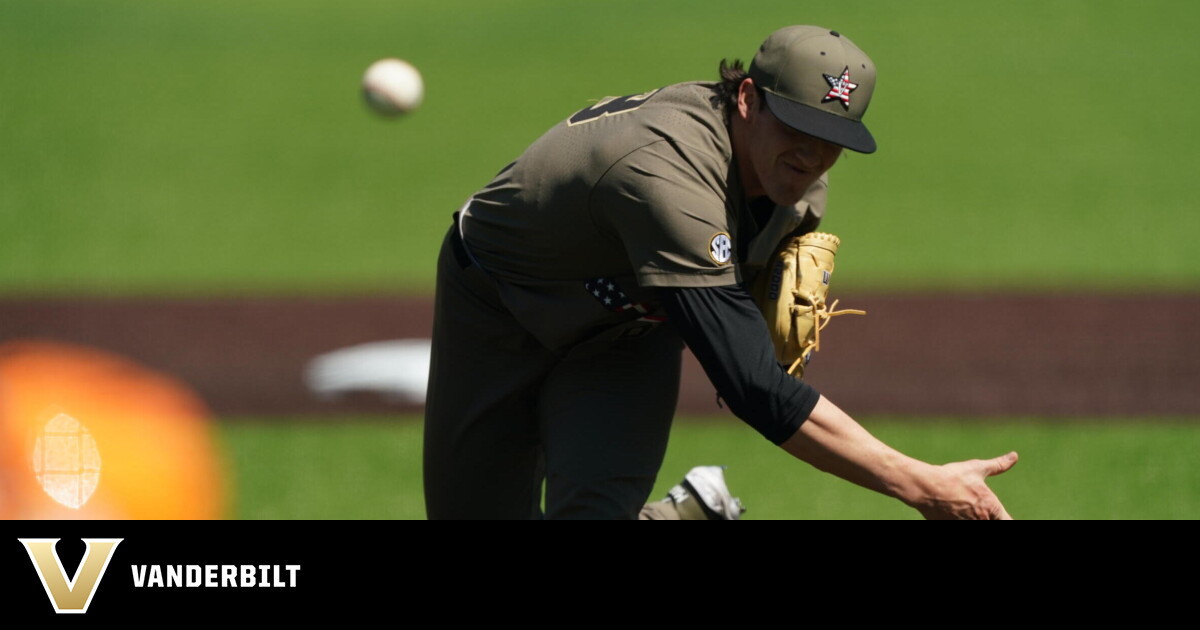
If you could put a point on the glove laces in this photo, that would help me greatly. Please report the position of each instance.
(822, 314)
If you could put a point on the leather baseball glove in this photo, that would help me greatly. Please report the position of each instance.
(791, 293)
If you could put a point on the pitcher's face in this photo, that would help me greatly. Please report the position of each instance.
(781, 162)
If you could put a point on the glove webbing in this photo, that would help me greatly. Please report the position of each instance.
(821, 313)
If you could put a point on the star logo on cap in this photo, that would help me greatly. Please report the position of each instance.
(840, 88)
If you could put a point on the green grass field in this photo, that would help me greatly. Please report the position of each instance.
(1082, 470)
(221, 146)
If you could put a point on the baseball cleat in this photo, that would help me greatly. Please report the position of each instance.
(703, 495)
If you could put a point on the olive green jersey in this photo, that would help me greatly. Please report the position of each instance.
(630, 194)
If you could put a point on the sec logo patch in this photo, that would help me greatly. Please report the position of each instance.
(721, 248)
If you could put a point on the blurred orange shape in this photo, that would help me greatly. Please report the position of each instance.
(87, 434)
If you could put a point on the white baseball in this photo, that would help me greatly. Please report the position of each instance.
(393, 87)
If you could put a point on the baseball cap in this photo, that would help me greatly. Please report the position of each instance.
(817, 81)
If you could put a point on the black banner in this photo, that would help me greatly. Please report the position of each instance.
(204, 570)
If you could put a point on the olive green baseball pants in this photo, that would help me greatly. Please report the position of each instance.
(505, 416)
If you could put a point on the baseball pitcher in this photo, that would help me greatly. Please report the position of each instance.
(568, 286)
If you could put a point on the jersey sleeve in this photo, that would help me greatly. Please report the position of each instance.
(666, 205)
(726, 332)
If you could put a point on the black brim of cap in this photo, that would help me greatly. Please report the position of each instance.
(830, 127)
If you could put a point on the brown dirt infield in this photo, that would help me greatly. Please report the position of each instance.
(913, 355)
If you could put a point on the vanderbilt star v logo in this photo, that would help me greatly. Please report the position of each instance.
(840, 88)
(70, 595)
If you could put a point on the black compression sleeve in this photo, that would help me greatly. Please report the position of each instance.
(726, 332)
